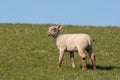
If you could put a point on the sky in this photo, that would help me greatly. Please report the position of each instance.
(66, 12)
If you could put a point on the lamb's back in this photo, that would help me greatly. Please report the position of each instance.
(73, 40)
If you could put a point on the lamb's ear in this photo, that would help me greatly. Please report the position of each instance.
(59, 27)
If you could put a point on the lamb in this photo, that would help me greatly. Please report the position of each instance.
(72, 43)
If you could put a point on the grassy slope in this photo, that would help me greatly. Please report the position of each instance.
(26, 53)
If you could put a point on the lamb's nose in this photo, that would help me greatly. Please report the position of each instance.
(48, 34)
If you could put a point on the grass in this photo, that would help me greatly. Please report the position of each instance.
(26, 53)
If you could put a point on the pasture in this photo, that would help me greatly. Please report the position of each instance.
(27, 53)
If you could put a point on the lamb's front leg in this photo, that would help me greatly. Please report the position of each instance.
(72, 59)
(61, 54)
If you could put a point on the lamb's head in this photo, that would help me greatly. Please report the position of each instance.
(54, 31)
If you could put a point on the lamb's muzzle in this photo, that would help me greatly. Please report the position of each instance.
(48, 34)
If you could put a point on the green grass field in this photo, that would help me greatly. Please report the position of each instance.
(27, 53)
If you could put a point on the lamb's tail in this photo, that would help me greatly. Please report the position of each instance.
(90, 41)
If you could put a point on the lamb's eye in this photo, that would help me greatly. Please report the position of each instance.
(54, 29)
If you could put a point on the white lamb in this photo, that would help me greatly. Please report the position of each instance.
(72, 43)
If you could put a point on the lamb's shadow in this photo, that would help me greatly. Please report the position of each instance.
(105, 67)
(102, 67)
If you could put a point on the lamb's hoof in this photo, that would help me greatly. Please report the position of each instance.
(94, 68)
(58, 66)
(73, 67)
(84, 69)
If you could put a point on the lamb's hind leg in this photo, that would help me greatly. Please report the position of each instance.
(72, 59)
(92, 56)
(84, 59)
(93, 60)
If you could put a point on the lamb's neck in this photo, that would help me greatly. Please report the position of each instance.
(57, 36)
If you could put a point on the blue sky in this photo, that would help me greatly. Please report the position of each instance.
(75, 12)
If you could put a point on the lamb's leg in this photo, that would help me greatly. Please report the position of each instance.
(84, 59)
(72, 59)
(93, 60)
(92, 56)
(84, 63)
(61, 54)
